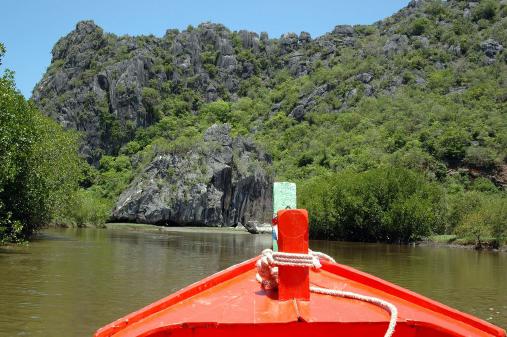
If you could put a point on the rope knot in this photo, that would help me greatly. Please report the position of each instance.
(267, 265)
(267, 275)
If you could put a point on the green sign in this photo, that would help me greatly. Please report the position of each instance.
(284, 197)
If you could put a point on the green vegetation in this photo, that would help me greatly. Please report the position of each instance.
(385, 204)
(390, 204)
(484, 220)
(92, 204)
(39, 166)
(485, 10)
(398, 135)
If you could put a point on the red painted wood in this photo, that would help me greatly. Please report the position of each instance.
(293, 329)
(293, 282)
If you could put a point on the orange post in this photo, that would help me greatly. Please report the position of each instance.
(293, 282)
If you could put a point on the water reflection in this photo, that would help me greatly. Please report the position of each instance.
(69, 282)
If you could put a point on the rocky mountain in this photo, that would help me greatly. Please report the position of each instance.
(100, 84)
(425, 88)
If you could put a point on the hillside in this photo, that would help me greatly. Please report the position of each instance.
(423, 90)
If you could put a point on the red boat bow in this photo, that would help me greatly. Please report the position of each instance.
(232, 303)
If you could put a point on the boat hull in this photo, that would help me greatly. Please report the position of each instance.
(231, 303)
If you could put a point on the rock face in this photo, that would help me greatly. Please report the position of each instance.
(107, 86)
(396, 44)
(118, 90)
(220, 182)
(97, 99)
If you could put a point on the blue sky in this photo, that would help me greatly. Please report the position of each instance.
(30, 28)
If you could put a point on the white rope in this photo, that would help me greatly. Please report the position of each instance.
(389, 307)
(267, 275)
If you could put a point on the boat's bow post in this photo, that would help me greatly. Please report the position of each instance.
(293, 282)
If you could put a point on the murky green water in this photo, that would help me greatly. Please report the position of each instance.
(71, 282)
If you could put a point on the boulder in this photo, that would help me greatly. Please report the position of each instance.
(288, 42)
(240, 228)
(298, 113)
(304, 38)
(343, 30)
(364, 77)
(396, 44)
(256, 227)
(491, 47)
(249, 40)
(368, 90)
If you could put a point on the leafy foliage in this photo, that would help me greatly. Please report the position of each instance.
(485, 10)
(39, 166)
(485, 221)
(385, 204)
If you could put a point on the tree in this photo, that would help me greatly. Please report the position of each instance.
(175, 106)
(485, 220)
(452, 143)
(497, 220)
(39, 166)
(481, 157)
(218, 111)
(2, 52)
(419, 26)
(386, 204)
(474, 225)
(151, 99)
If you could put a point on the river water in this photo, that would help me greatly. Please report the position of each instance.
(69, 282)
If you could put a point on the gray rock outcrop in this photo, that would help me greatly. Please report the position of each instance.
(220, 182)
(491, 47)
(396, 44)
(256, 227)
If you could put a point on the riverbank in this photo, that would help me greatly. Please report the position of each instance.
(447, 240)
(453, 241)
(173, 229)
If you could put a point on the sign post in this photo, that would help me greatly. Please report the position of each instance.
(284, 197)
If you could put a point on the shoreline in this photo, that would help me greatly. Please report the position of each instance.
(173, 229)
(435, 241)
(429, 243)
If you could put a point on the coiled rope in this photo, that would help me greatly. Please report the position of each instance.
(267, 275)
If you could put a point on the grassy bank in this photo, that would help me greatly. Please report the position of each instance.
(454, 241)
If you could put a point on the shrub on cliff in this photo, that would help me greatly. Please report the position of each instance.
(485, 10)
